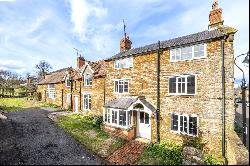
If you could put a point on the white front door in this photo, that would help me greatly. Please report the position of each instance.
(76, 104)
(144, 125)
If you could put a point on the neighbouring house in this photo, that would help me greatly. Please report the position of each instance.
(190, 86)
(88, 87)
(80, 89)
(55, 88)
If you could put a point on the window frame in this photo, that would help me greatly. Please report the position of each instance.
(51, 91)
(85, 79)
(108, 113)
(192, 58)
(122, 62)
(118, 85)
(89, 100)
(188, 126)
(67, 81)
(68, 96)
(186, 85)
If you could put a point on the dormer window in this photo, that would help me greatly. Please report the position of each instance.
(123, 63)
(88, 80)
(67, 82)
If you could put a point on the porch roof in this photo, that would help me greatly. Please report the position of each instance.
(126, 102)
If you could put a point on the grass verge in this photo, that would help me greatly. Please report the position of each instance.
(91, 136)
(14, 104)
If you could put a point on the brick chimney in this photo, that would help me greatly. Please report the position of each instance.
(125, 43)
(215, 16)
(80, 61)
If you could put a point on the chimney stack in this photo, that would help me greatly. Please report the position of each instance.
(80, 62)
(215, 16)
(125, 43)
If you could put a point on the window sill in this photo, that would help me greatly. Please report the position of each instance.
(180, 133)
(172, 94)
(117, 93)
(118, 126)
(87, 85)
(189, 60)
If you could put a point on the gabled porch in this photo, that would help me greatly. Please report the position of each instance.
(128, 117)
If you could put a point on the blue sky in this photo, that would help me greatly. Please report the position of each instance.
(34, 30)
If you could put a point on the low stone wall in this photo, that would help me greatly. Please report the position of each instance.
(237, 153)
(127, 134)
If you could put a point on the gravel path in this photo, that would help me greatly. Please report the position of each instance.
(30, 138)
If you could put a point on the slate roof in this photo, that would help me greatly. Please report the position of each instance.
(180, 41)
(54, 77)
(123, 102)
(126, 102)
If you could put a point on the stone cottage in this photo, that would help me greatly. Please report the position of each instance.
(188, 98)
(80, 89)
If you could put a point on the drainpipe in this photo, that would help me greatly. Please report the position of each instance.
(158, 96)
(62, 98)
(223, 94)
(104, 90)
(71, 92)
(80, 95)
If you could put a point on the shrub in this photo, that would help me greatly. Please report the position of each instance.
(211, 160)
(195, 142)
(162, 154)
(97, 121)
(238, 130)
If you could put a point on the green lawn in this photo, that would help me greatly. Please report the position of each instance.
(82, 129)
(161, 154)
(14, 104)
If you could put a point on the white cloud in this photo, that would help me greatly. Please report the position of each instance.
(83, 14)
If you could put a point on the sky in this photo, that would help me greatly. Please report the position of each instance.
(34, 30)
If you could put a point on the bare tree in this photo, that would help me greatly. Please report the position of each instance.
(43, 68)
(9, 80)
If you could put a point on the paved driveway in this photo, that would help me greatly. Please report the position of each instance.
(29, 137)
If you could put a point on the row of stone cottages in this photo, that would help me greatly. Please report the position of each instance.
(123, 88)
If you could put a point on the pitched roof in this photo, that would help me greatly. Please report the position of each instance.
(184, 40)
(98, 67)
(54, 77)
(126, 102)
(123, 102)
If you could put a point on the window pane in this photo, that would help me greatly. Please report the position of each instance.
(191, 85)
(126, 86)
(122, 117)
(186, 53)
(172, 54)
(181, 123)
(114, 116)
(185, 124)
(141, 117)
(199, 50)
(178, 54)
(116, 86)
(172, 85)
(89, 102)
(174, 121)
(120, 86)
(108, 115)
(193, 125)
(146, 118)
(105, 116)
(129, 118)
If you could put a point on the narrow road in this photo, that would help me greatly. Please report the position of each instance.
(30, 138)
